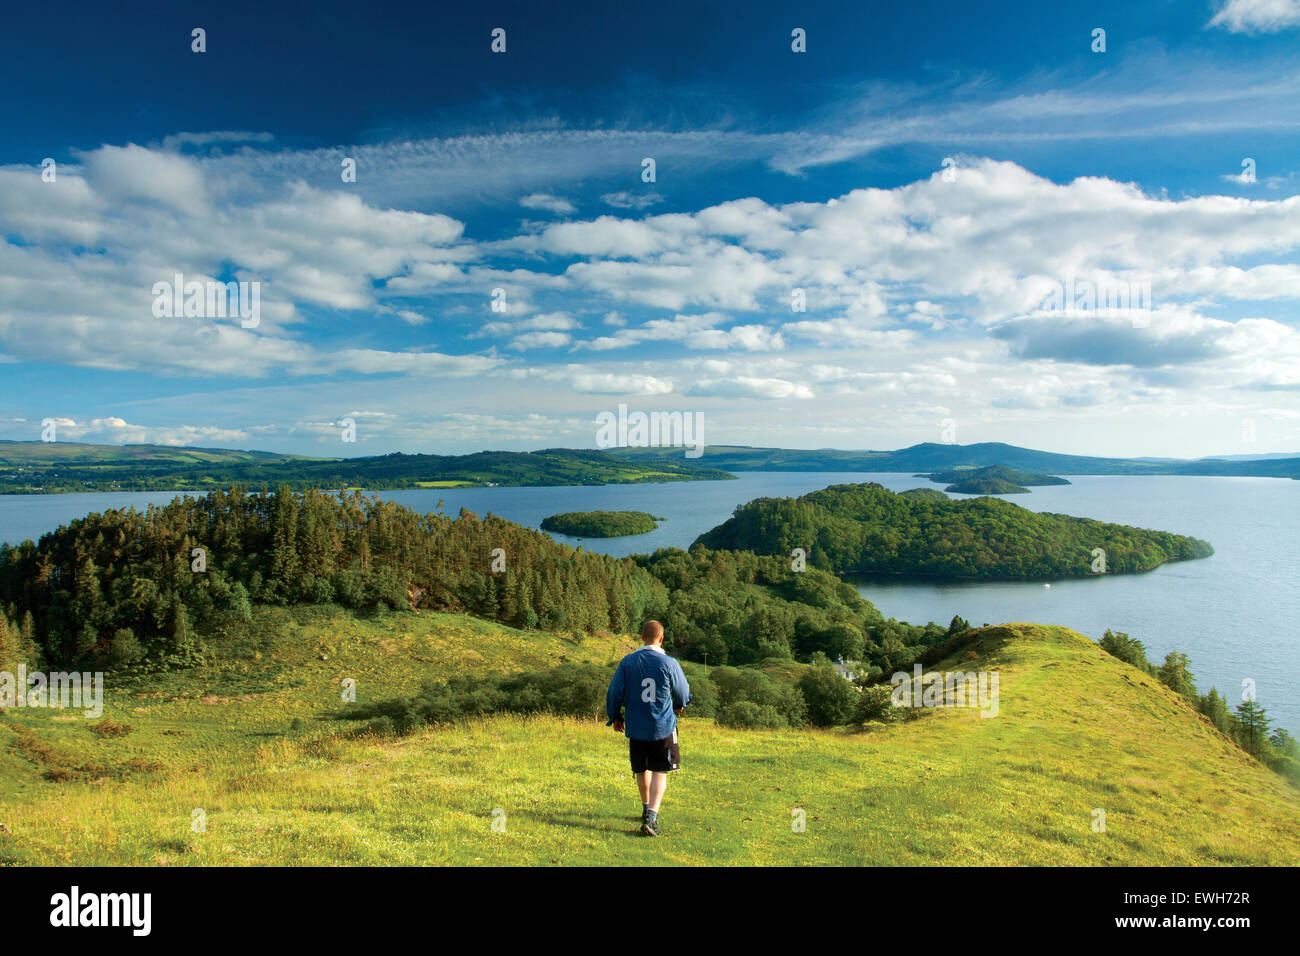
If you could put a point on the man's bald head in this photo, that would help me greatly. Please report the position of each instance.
(652, 633)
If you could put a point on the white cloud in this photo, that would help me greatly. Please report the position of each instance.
(677, 329)
(627, 200)
(916, 294)
(751, 338)
(540, 340)
(1257, 16)
(117, 431)
(745, 386)
(613, 383)
(548, 203)
(135, 173)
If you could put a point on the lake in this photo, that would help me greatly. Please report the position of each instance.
(1236, 614)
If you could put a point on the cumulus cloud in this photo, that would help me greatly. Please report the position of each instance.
(96, 241)
(117, 431)
(745, 386)
(543, 322)
(913, 296)
(129, 173)
(1257, 16)
(614, 383)
(1167, 337)
(540, 340)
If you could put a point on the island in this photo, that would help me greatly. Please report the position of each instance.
(868, 529)
(991, 480)
(601, 524)
(986, 486)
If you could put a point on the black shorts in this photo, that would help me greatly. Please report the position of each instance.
(660, 756)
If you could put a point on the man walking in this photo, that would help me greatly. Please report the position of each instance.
(653, 688)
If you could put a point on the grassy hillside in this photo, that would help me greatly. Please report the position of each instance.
(1077, 730)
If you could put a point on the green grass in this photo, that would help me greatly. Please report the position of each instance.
(1077, 730)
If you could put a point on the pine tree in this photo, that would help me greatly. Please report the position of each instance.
(1253, 732)
(183, 646)
(27, 648)
(8, 645)
(1175, 673)
(87, 641)
(1216, 709)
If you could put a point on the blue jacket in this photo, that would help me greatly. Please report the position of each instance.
(651, 684)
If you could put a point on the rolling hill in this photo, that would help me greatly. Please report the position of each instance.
(931, 456)
(61, 467)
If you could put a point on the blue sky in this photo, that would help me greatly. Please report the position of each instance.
(926, 175)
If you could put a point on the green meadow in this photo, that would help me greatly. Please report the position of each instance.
(263, 746)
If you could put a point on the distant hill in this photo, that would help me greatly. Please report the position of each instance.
(1269, 457)
(53, 467)
(931, 457)
(866, 528)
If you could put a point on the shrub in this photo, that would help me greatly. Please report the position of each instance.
(743, 684)
(704, 694)
(124, 649)
(574, 689)
(388, 586)
(828, 695)
(1128, 649)
(751, 716)
(350, 587)
(109, 728)
(320, 591)
(874, 704)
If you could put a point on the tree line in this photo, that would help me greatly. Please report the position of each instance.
(129, 587)
(1249, 726)
(152, 589)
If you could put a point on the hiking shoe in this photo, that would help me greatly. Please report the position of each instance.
(649, 827)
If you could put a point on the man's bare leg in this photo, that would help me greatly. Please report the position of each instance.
(658, 784)
(643, 784)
